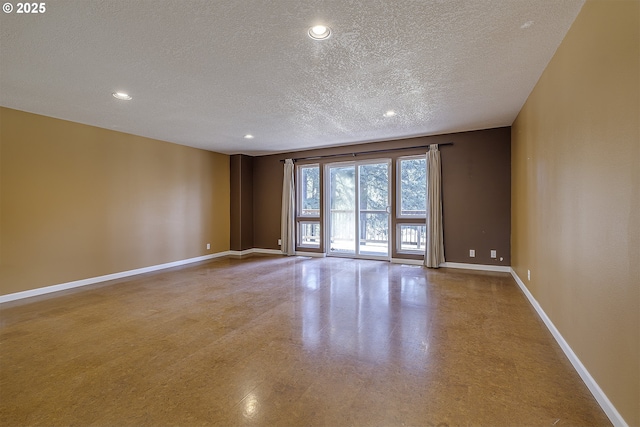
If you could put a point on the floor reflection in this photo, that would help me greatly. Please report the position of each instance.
(359, 309)
(288, 341)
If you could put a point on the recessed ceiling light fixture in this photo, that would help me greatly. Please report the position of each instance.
(122, 96)
(248, 136)
(390, 113)
(320, 32)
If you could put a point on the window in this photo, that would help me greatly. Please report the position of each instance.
(412, 187)
(411, 204)
(309, 234)
(308, 199)
(309, 191)
(411, 238)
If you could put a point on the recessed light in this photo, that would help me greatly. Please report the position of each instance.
(122, 96)
(248, 136)
(320, 32)
(390, 113)
(526, 25)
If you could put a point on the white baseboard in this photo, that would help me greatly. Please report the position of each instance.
(459, 265)
(614, 416)
(480, 267)
(267, 251)
(311, 254)
(255, 251)
(92, 280)
(241, 253)
(274, 252)
(407, 261)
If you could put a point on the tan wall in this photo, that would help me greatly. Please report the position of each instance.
(78, 201)
(576, 196)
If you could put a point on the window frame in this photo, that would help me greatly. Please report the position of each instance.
(399, 161)
(299, 241)
(299, 210)
(399, 238)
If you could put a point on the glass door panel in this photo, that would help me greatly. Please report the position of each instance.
(374, 202)
(342, 200)
(358, 211)
(374, 234)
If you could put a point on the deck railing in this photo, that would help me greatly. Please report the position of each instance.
(374, 230)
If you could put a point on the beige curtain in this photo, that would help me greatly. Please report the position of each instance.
(434, 253)
(287, 223)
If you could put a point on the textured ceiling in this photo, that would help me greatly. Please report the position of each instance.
(205, 73)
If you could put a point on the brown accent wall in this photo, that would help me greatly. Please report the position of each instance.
(78, 201)
(241, 202)
(267, 201)
(476, 191)
(576, 196)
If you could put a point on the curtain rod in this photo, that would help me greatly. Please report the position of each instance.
(360, 153)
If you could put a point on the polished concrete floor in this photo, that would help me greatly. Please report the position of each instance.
(274, 341)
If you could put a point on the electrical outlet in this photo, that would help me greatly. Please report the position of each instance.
(279, 242)
(208, 245)
(472, 253)
(528, 274)
(493, 253)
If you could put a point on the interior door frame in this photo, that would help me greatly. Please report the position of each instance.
(326, 226)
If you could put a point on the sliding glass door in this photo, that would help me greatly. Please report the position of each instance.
(374, 209)
(342, 210)
(357, 211)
